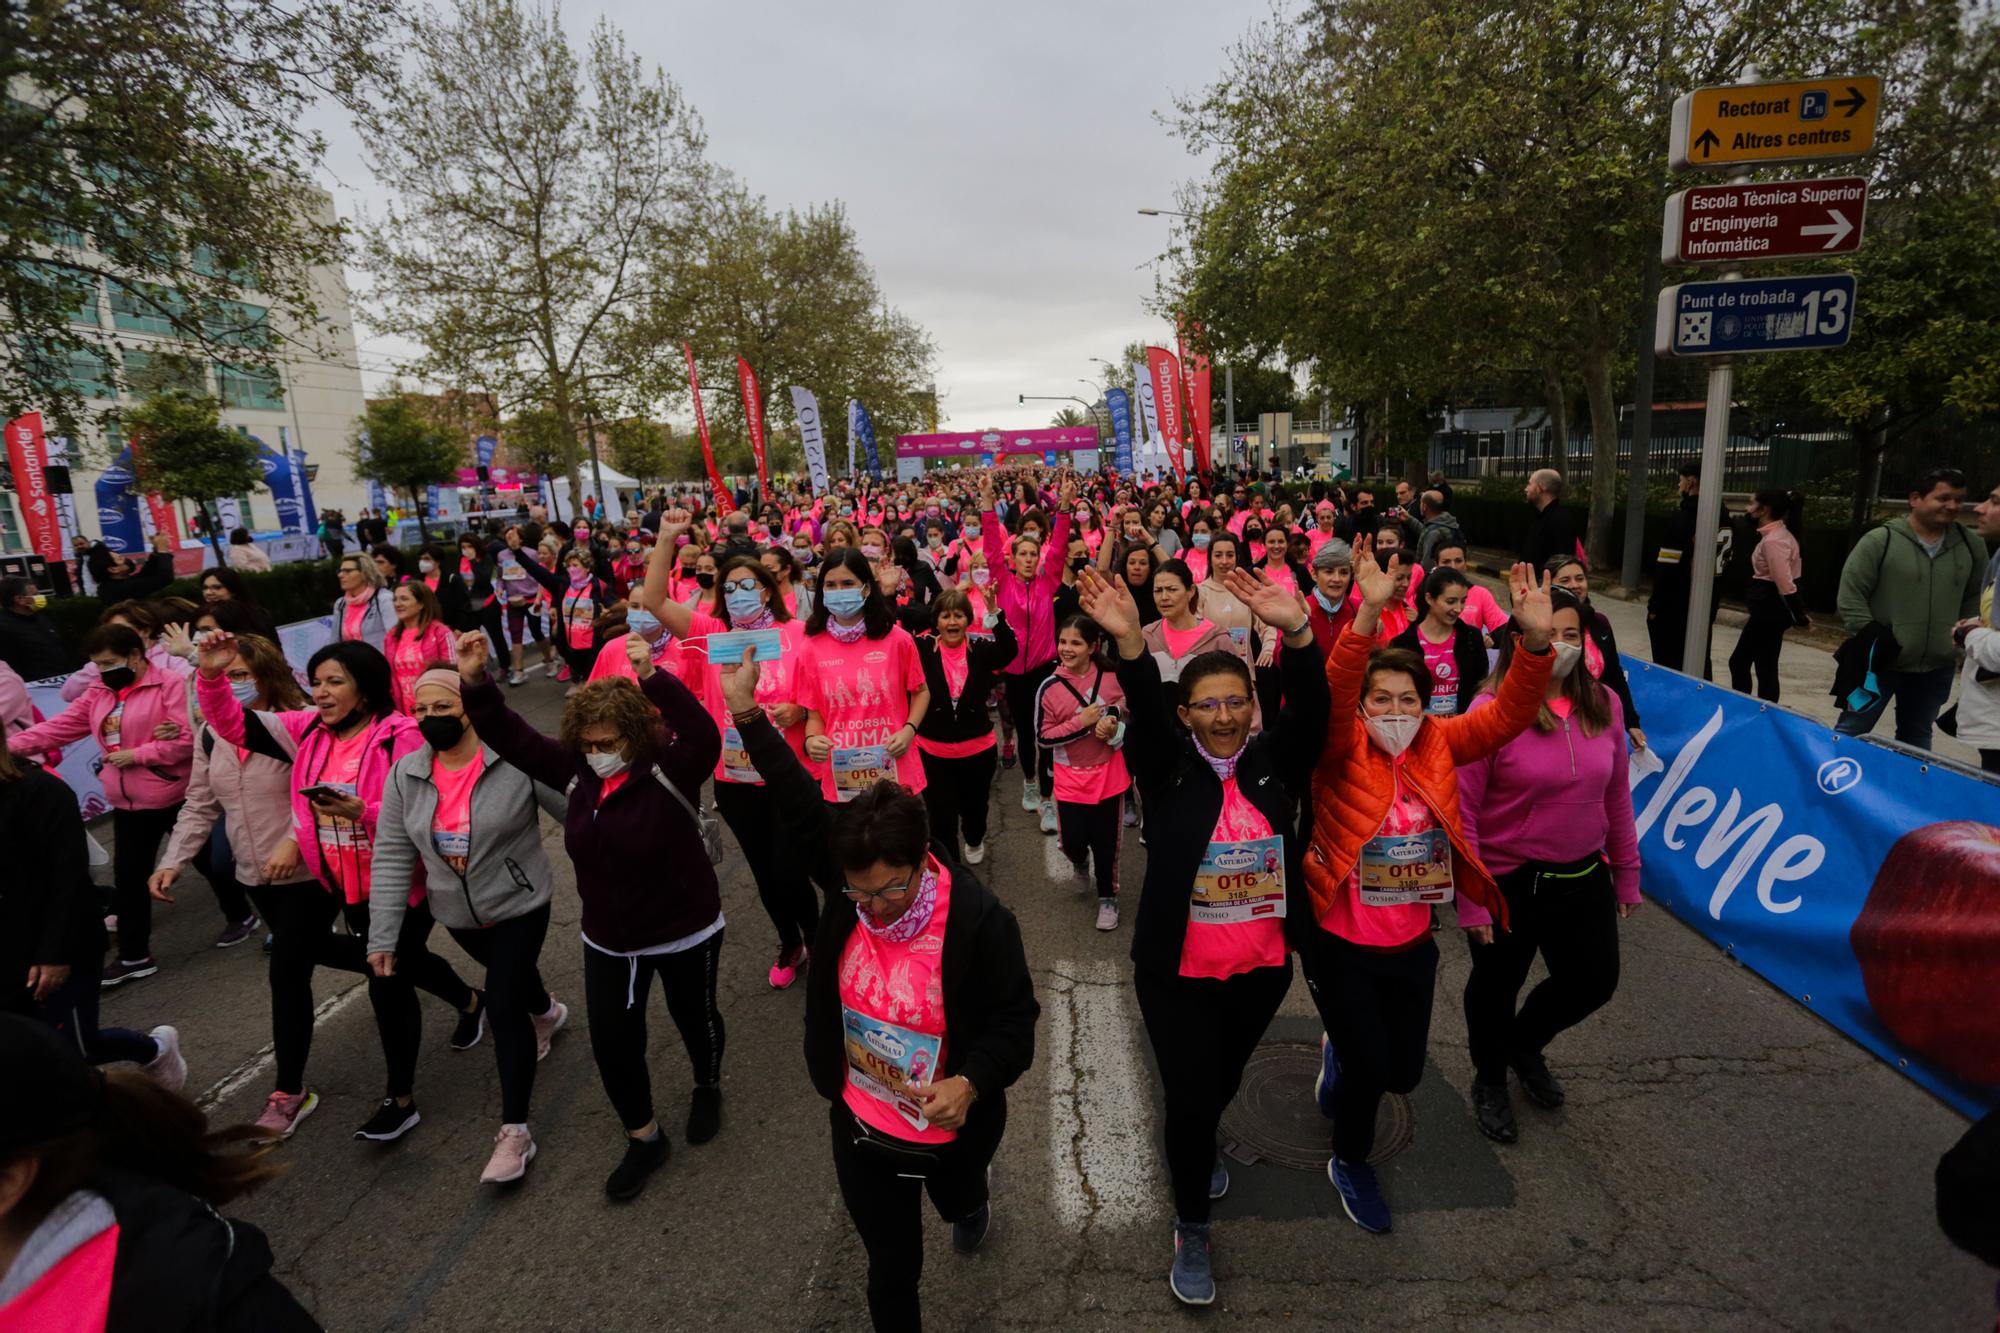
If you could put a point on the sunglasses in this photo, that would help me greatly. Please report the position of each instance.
(741, 585)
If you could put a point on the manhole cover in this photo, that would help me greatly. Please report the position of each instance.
(1275, 1119)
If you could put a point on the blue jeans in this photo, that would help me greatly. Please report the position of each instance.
(1919, 697)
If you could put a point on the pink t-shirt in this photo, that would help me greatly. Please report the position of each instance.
(1481, 611)
(1391, 927)
(409, 651)
(1443, 666)
(1223, 949)
(861, 691)
(577, 610)
(344, 844)
(777, 683)
(1180, 640)
(893, 992)
(668, 656)
(451, 826)
(351, 614)
(956, 670)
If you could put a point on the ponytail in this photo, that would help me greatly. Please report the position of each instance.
(1787, 507)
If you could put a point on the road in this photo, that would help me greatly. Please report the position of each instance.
(1726, 1161)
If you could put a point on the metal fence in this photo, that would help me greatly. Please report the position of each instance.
(1749, 464)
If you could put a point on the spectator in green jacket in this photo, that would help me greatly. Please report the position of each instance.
(1919, 576)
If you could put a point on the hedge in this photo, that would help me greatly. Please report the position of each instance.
(296, 590)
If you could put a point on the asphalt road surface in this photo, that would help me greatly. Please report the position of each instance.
(1726, 1160)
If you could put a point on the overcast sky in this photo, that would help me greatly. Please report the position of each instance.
(992, 159)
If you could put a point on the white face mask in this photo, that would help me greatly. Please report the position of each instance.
(1393, 732)
(1567, 656)
(606, 765)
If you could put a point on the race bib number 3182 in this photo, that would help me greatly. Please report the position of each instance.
(1240, 881)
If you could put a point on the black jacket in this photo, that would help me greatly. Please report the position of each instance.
(1468, 655)
(30, 645)
(47, 905)
(1674, 562)
(989, 995)
(1613, 679)
(984, 661)
(1552, 533)
(1183, 797)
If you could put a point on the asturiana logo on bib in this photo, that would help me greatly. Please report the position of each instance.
(885, 1044)
(1237, 858)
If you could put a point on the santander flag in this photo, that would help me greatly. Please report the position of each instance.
(26, 454)
(1165, 372)
(753, 417)
(1197, 379)
(724, 501)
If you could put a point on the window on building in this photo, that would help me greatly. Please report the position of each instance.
(86, 370)
(148, 372)
(245, 387)
(79, 290)
(206, 261)
(238, 324)
(145, 307)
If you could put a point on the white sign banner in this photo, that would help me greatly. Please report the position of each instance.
(806, 408)
(1149, 410)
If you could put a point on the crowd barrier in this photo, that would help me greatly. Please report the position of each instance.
(1861, 880)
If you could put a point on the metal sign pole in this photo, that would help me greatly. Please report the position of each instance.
(1708, 516)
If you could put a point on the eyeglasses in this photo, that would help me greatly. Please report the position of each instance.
(894, 893)
(589, 746)
(1235, 703)
(741, 585)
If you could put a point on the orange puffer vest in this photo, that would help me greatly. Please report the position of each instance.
(1355, 781)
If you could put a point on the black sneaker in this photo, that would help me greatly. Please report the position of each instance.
(128, 969)
(390, 1122)
(642, 1158)
(1536, 1080)
(967, 1233)
(704, 1115)
(471, 1027)
(1494, 1111)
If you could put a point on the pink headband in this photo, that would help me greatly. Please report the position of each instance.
(438, 676)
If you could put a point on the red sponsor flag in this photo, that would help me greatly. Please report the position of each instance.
(724, 501)
(753, 416)
(1196, 373)
(1166, 375)
(157, 509)
(28, 455)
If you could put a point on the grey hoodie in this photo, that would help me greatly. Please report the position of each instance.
(506, 873)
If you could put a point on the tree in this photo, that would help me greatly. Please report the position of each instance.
(401, 443)
(181, 449)
(537, 444)
(158, 145)
(639, 448)
(528, 189)
(1069, 416)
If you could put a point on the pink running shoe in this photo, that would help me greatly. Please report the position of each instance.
(284, 1110)
(546, 1027)
(786, 970)
(513, 1149)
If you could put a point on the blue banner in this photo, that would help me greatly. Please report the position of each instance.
(118, 507)
(483, 449)
(1860, 880)
(860, 427)
(302, 487)
(279, 481)
(432, 501)
(1119, 403)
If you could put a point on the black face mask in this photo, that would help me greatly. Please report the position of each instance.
(441, 733)
(1079, 562)
(118, 678)
(705, 580)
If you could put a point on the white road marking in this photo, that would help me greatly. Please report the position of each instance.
(233, 1082)
(1104, 1153)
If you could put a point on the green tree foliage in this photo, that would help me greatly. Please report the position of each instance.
(537, 443)
(530, 187)
(160, 142)
(182, 450)
(639, 448)
(400, 442)
(1070, 416)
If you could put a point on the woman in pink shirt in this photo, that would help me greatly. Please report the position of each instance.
(419, 638)
(363, 612)
(1025, 586)
(1078, 716)
(861, 683)
(1482, 611)
(1773, 596)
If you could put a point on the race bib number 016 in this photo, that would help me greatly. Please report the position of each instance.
(1400, 869)
(1240, 881)
(890, 1063)
(856, 768)
(736, 765)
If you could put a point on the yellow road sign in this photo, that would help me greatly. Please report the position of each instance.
(1800, 120)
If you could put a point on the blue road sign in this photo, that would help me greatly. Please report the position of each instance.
(1755, 315)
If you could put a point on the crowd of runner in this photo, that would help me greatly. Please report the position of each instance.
(1321, 733)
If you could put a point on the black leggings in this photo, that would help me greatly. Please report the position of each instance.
(615, 991)
(1203, 1030)
(217, 865)
(1094, 831)
(510, 951)
(882, 1200)
(1575, 925)
(1270, 690)
(1762, 639)
(578, 660)
(782, 884)
(1036, 760)
(956, 793)
(493, 619)
(71, 1009)
(136, 838)
(1376, 1007)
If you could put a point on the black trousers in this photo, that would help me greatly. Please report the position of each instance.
(956, 792)
(1020, 691)
(301, 919)
(615, 991)
(1574, 924)
(1270, 690)
(578, 660)
(1666, 632)
(1762, 639)
(1203, 1030)
(217, 865)
(71, 1009)
(882, 1200)
(1377, 1010)
(136, 836)
(493, 619)
(511, 952)
(775, 864)
(1093, 831)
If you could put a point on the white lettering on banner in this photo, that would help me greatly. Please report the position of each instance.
(1796, 858)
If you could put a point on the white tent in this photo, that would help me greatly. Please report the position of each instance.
(615, 483)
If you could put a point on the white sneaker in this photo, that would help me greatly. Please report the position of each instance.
(1131, 815)
(1107, 914)
(1031, 800)
(975, 852)
(169, 1068)
(552, 667)
(546, 1027)
(519, 677)
(513, 1149)
(1048, 816)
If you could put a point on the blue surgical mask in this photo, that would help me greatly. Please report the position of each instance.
(642, 622)
(972, 529)
(1201, 541)
(743, 605)
(244, 690)
(844, 602)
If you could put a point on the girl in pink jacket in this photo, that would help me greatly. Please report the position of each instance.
(1024, 586)
(1079, 717)
(138, 715)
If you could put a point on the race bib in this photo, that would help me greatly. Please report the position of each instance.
(1240, 881)
(1398, 869)
(736, 765)
(114, 726)
(1241, 638)
(890, 1063)
(340, 835)
(454, 848)
(856, 768)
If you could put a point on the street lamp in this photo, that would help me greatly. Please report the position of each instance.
(1162, 213)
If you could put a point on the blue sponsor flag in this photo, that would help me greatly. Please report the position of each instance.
(302, 486)
(863, 429)
(483, 448)
(279, 481)
(118, 508)
(1119, 403)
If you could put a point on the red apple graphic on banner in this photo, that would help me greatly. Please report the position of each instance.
(1928, 942)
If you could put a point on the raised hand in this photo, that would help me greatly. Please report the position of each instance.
(179, 642)
(1109, 602)
(471, 650)
(1275, 605)
(739, 683)
(639, 654)
(1378, 585)
(218, 650)
(1532, 609)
